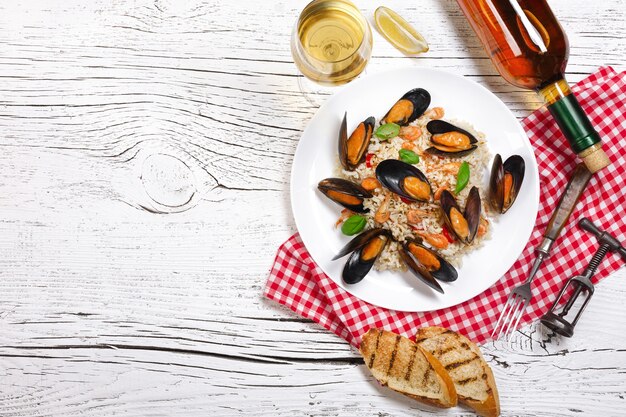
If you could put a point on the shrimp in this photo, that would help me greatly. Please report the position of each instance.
(345, 213)
(370, 183)
(434, 113)
(414, 215)
(408, 145)
(437, 240)
(410, 132)
(382, 214)
(483, 226)
(439, 191)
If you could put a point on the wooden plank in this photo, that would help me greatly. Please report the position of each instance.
(140, 380)
(146, 151)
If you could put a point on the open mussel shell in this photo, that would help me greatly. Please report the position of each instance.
(352, 149)
(463, 225)
(410, 106)
(365, 249)
(345, 193)
(419, 271)
(404, 179)
(505, 181)
(496, 184)
(427, 265)
(449, 140)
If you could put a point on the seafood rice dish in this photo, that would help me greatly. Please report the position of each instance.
(413, 191)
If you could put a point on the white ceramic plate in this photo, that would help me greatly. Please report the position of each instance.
(316, 158)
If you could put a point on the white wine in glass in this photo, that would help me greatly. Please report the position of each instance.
(331, 42)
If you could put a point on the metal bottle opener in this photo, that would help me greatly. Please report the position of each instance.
(557, 322)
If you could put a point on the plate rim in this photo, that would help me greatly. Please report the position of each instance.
(362, 80)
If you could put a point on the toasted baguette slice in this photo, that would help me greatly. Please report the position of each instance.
(403, 366)
(473, 379)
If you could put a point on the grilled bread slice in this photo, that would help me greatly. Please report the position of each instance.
(473, 379)
(403, 366)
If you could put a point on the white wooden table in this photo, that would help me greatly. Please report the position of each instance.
(145, 151)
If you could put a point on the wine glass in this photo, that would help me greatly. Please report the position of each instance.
(331, 44)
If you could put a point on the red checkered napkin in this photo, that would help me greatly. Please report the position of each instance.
(298, 283)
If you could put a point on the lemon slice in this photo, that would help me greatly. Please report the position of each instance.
(399, 32)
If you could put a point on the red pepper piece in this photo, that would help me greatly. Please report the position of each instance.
(368, 160)
(447, 234)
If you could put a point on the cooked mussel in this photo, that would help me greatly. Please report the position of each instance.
(352, 149)
(463, 225)
(365, 249)
(427, 265)
(505, 181)
(345, 193)
(410, 106)
(404, 179)
(450, 140)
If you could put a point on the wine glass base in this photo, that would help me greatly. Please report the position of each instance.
(314, 93)
(317, 94)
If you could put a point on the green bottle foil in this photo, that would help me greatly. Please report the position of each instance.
(574, 123)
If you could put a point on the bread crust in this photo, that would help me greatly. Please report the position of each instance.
(400, 364)
(447, 346)
(441, 371)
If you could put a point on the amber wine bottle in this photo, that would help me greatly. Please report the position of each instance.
(530, 50)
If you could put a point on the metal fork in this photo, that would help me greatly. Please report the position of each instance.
(517, 302)
(519, 298)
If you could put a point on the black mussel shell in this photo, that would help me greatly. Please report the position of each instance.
(392, 172)
(359, 241)
(337, 189)
(471, 213)
(356, 267)
(359, 140)
(473, 208)
(515, 167)
(343, 138)
(445, 272)
(496, 184)
(419, 271)
(436, 127)
(419, 100)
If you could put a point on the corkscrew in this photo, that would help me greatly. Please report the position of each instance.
(557, 321)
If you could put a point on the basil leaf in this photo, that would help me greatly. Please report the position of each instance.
(353, 225)
(387, 131)
(408, 156)
(462, 177)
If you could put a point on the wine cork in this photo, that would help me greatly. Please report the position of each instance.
(594, 158)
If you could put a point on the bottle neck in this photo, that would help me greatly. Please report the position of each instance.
(574, 123)
(555, 91)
